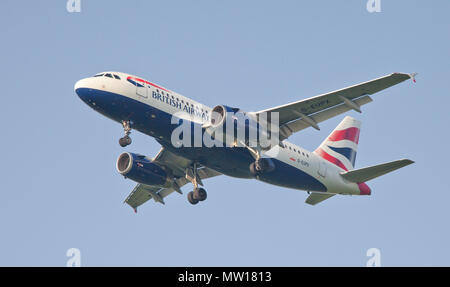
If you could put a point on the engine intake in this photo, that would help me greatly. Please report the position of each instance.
(219, 114)
(140, 169)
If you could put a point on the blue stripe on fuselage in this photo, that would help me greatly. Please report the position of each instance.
(230, 161)
(291, 177)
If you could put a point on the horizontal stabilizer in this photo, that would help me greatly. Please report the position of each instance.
(371, 172)
(315, 197)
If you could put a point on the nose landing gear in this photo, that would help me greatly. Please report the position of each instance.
(126, 140)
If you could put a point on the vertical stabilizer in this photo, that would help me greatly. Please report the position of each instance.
(341, 145)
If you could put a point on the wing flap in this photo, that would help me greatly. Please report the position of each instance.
(287, 129)
(140, 194)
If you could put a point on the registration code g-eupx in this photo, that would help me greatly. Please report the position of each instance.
(226, 276)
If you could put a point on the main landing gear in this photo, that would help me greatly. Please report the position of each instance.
(126, 140)
(260, 165)
(199, 193)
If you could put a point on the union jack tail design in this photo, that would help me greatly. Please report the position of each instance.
(341, 145)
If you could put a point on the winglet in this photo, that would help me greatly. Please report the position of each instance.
(413, 76)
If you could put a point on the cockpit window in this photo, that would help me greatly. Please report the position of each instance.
(108, 75)
(117, 77)
(99, 75)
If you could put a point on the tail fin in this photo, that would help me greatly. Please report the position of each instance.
(341, 145)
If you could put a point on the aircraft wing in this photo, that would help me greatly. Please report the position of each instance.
(299, 115)
(178, 166)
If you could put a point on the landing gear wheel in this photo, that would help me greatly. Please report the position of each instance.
(126, 140)
(191, 199)
(200, 194)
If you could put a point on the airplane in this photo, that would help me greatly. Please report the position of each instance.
(149, 108)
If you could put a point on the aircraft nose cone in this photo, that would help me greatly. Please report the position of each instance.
(77, 85)
(81, 88)
(80, 84)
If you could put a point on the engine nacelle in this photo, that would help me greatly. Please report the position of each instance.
(223, 124)
(140, 169)
(219, 115)
(232, 126)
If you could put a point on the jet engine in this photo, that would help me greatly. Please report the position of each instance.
(225, 122)
(140, 169)
(233, 126)
(219, 115)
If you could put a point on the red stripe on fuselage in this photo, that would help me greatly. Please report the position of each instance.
(351, 134)
(330, 158)
(147, 82)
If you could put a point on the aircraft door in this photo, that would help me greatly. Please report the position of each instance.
(141, 89)
(322, 171)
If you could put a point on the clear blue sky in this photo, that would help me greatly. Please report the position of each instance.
(59, 187)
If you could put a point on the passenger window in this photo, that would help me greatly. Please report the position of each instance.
(117, 77)
(108, 75)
